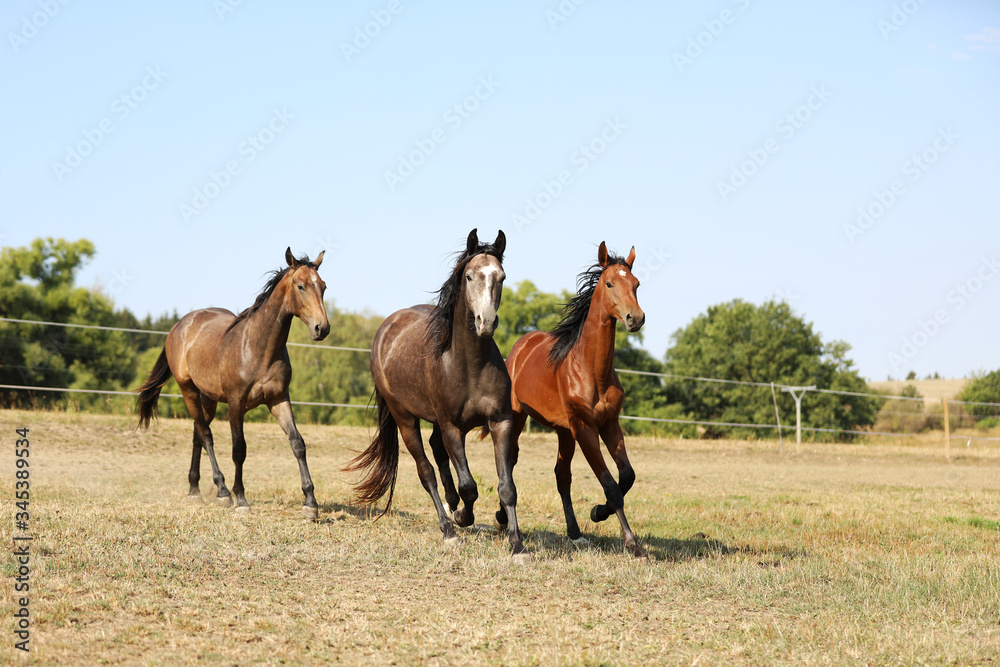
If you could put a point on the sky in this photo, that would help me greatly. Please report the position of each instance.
(841, 156)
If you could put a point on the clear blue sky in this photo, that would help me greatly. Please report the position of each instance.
(733, 143)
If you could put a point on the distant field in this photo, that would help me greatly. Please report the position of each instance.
(839, 554)
(932, 390)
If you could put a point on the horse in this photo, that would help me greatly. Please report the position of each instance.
(241, 360)
(440, 364)
(565, 379)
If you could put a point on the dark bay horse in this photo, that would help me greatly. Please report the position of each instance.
(440, 364)
(566, 380)
(218, 357)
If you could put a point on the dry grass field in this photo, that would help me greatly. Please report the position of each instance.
(881, 553)
(931, 390)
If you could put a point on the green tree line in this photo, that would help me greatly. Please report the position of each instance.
(734, 341)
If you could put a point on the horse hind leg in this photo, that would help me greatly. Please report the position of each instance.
(564, 480)
(239, 457)
(202, 410)
(444, 469)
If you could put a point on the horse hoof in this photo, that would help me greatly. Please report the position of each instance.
(310, 513)
(224, 501)
(581, 542)
(522, 558)
(193, 498)
(452, 541)
(243, 509)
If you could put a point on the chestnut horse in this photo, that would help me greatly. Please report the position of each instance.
(565, 379)
(218, 357)
(440, 364)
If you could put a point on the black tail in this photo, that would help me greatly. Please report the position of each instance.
(381, 459)
(149, 392)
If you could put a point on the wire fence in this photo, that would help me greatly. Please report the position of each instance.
(689, 422)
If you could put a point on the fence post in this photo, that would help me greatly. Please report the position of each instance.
(947, 432)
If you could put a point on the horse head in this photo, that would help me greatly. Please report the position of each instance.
(304, 296)
(617, 287)
(483, 283)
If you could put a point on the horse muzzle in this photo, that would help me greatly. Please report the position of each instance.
(486, 326)
(320, 331)
(634, 321)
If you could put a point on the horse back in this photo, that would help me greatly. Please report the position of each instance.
(193, 347)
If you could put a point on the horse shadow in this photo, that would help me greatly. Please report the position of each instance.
(333, 512)
(667, 549)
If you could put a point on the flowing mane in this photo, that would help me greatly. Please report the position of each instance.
(269, 287)
(440, 322)
(567, 332)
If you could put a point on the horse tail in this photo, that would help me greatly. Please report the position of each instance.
(381, 459)
(149, 392)
(484, 431)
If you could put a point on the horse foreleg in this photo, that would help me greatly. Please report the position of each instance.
(444, 469)
(591, 447)
(614, 440)
(282, 411)
(517, 422)
(454, 445)
(409, 429)
(504, 453)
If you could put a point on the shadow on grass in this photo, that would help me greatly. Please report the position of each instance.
(673, 550)
(334, 511)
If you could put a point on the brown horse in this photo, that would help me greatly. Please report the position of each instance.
(565, 379)
(440, 364)
(218, 357)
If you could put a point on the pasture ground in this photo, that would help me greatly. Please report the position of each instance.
(835, 554)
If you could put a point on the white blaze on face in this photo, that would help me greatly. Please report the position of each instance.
(622, 273)
(483, 299)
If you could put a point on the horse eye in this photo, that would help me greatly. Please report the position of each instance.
(468, 277)
(608, 283)
(302, 288)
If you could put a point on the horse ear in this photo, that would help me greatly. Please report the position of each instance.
(318, 260)
(501, 243)
(631, 258)
(472, 244)
(289, 257)
(602, 255)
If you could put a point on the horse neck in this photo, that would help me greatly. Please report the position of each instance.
(596, 345)
(267, 329)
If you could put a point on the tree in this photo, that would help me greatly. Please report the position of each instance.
(333, 376)
(982, 388)
(763, 344)
(37, 283)
(525, 308)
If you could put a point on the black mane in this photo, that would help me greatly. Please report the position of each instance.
(269, 287)
(439, 323)
(567, 332)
